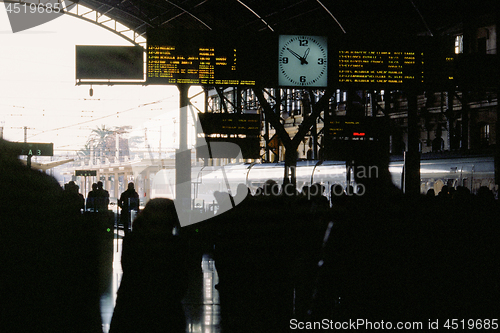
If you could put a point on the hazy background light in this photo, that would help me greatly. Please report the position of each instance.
(38, 89)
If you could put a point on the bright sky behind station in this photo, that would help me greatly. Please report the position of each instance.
(38, 90)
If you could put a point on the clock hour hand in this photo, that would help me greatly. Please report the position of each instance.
(302, 60)
(306, 54)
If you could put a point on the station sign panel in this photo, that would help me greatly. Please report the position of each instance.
(220, 58)
(412, 63)
(364, 63)
(376, 63)
(196, 57)
(247, 124)
(346, 136)
(353, 128)
(33, 148)
(86, 173)
(240, 129)
(109, 62)
(379, 68)
(218, 147)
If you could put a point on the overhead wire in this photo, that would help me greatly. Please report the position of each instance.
(422, 18)
(99, 118)
(330, 13)
(255, 13)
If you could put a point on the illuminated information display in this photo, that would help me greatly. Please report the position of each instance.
(346, 128)
(345, 136)
(371, 68)
(230, 123)
(33, 148)
(86, 173)
(183, 57)
(241, 129)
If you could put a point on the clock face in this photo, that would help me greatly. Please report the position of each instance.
(303, 61)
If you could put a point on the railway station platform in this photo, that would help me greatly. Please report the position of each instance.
(281, 266)
(201, 304)
(272, 263)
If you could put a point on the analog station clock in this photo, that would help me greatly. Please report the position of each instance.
(303, 61)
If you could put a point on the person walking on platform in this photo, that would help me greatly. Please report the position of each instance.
(129, 200)
(90, 204)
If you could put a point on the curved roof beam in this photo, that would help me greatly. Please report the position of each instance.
(422, 17)
(330, 13)
(253, 12)
(99, 18)
(187, 12)
(94, 16)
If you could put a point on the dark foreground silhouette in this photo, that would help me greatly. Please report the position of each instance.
(48, 260)
(383, 256)
(154, 273)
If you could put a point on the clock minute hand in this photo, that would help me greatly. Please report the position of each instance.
(302, 60)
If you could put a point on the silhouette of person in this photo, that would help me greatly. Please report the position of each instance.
(271, 188)
(242, 191)
(48, 277)
(438, 142)
(129, 200)
(224, 201)
(72, 198)
(154, 273)
(102, 198)
(485, 195)
(91, 198)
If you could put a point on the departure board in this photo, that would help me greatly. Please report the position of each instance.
(101, 62)
(240, 129)
(379, 68)
(346, 136)
(195, 57)
(230, 123)
(353, 129)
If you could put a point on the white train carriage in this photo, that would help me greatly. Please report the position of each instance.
(471, 172)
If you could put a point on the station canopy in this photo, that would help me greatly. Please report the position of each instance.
(381, 18)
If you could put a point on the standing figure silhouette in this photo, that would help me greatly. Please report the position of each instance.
(154, 273)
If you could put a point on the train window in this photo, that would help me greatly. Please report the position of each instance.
(423, 188)
(438, 185)
(485, 134)
(459, 44)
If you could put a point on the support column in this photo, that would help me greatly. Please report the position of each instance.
(450, 117)
(107, 182)
(497, 127)
(497, 141)
(116, 184)
(412, 157)
(465, 121)
(469, 48)
(314, 130)
(183, 154)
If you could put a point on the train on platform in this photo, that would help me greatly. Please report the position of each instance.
(436, 171)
